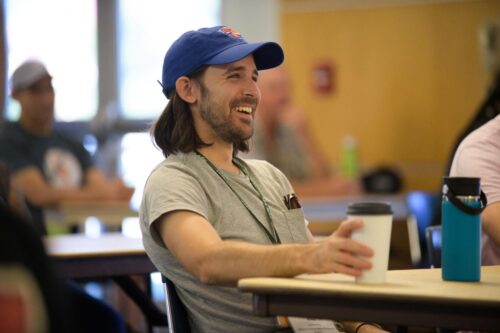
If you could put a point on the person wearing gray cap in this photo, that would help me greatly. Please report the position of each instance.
(47, 166)
(210, 218)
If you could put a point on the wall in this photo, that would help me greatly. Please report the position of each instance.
(256, 20)
(407, 78)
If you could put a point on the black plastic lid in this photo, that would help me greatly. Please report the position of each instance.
(464, 185)
(369, 208)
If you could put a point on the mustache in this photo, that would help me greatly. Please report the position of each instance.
(247, 100)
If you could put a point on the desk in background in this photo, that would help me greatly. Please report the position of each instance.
(111, 254)
(110, 213)
(325, 213)
(327, 209)
(416, 297)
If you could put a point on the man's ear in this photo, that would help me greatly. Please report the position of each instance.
(186, 89)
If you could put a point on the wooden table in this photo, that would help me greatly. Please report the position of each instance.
(325, 209)
(410, 298)
(111, 254)
(110, 213)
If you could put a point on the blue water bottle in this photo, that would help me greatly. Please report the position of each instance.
(462, 204)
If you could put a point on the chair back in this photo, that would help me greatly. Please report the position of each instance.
(176, 312)
(422, 206)
(433, 241)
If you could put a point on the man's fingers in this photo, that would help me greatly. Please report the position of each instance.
(347, 270)
(347, 227)
(348, 259)
(356, 248)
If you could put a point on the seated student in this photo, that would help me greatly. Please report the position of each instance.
(478, 151)
(479, 156)
(283, 138)
(210, 218)
(48, 167)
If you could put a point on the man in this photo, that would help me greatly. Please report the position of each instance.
(48, 167)
(479, 156)
(209, 218)
(283, 138)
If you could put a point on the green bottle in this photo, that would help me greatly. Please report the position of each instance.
(349, 166)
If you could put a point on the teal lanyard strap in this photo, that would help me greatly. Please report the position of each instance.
(273, 237)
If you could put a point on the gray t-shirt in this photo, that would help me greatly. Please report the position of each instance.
(187, 182)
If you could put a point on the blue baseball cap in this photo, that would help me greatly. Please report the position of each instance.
(214, 46)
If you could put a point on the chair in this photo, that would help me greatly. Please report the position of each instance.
(28, 284)
(433, 241)
(176, 312)
(22, 307)
(422, 207)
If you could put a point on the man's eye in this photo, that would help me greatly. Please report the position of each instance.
(234, 76)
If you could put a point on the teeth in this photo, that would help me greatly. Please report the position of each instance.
(245, 109)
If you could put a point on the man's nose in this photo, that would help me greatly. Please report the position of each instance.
(251, 89)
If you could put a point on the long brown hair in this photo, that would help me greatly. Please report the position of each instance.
(174, 130)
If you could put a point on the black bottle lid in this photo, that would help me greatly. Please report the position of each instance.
(369, 208)
(463, 186)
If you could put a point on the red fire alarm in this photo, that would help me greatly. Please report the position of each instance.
(323, 77)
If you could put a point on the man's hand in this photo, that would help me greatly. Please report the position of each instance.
(340, 254)
(99, 188)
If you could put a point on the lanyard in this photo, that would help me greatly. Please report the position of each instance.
(273, 234)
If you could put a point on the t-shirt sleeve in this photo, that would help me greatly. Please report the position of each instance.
(169, 190)
(474, 159)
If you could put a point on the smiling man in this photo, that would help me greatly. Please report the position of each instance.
(210, 218)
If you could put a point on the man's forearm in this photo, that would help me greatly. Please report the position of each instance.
(38, 192)
(198, 247)
(230, 261)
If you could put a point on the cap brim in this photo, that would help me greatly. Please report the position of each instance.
(266, 55)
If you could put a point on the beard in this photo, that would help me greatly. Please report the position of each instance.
(221, 123)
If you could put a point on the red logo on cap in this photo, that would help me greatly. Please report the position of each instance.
(229, 31)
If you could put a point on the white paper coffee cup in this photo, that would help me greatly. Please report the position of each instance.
(376, 234)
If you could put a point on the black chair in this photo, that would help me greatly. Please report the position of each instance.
(433, 240)
(176, 312)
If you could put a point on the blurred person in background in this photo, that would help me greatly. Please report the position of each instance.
(489, 39)
(478, 154)
(283, 138)
(47, 166)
